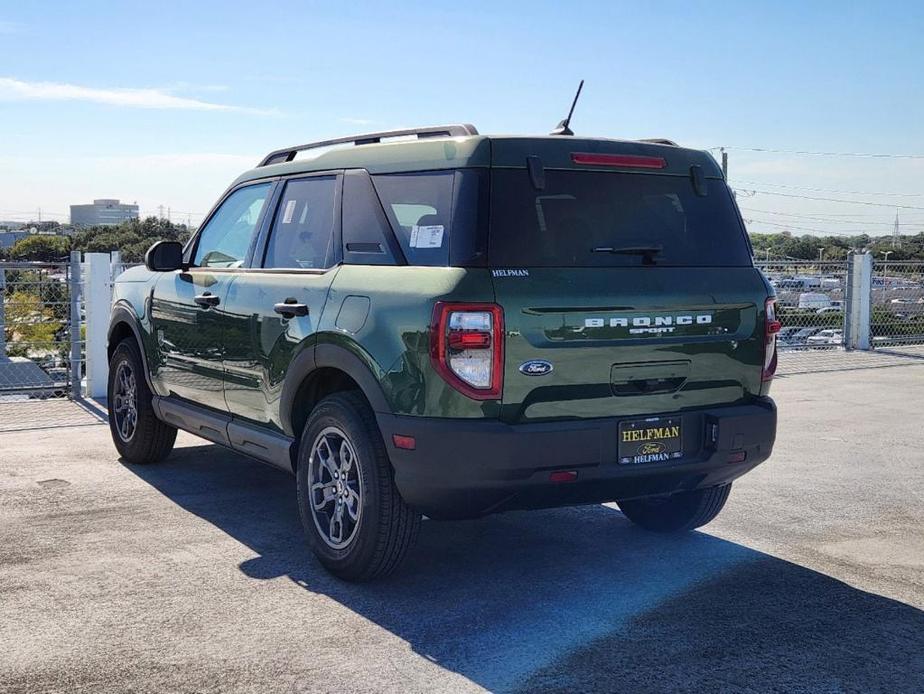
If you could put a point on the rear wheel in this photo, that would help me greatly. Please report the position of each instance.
(138, 435)
(353, 515)
(678, 512)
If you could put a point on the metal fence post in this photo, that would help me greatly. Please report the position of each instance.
(75, 323)
(858, 315)
(97, 298)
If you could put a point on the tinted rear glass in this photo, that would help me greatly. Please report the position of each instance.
(579, 211)
(437, 216)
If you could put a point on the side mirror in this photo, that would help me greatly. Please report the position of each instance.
(164, 256)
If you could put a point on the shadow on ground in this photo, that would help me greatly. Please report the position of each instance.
(578, 599)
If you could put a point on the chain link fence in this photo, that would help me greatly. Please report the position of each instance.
(897, 309)
(42, 346)
(812, 298)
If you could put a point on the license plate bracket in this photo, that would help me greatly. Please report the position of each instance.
(650, 440)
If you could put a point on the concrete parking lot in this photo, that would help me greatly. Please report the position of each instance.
(192, 575)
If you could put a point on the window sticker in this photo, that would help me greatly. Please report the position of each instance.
(427, 236)
(289, 212)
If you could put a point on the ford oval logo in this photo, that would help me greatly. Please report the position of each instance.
(536, 367)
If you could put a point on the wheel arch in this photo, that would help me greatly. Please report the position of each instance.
(316, 373)
(123, 323)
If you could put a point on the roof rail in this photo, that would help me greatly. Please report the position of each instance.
(660, 141)
(288, 154)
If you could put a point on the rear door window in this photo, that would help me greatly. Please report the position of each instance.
(596, 219)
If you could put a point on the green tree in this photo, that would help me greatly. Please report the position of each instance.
(30, 325)
(132, 238)
(41, 248)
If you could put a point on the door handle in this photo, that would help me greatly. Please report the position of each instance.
(291, 308)
(207, 300)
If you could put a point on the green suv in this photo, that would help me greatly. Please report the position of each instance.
(435, 322)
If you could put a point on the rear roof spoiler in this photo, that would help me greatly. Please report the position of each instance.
(288, 153)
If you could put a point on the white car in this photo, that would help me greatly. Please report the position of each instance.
(826, 337)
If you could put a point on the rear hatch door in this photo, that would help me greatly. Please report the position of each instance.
(626, 290)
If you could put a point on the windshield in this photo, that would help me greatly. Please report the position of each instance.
(607, 219)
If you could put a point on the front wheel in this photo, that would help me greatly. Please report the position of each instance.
(138, 435)
(678, 512)
(353, 515)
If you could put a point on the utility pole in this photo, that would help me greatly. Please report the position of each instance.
(724, 163)
(168, 214)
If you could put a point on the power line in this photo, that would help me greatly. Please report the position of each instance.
(869, 155)
(822, 218)
(846, 202)
(828, 232)
(829, 190)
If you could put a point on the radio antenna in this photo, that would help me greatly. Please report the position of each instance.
(563, 128)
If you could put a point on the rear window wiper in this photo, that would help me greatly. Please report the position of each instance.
(647, 252)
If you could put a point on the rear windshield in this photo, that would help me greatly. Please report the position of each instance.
(605, 219)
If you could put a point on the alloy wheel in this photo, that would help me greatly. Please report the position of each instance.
(125, 402)
(335, 486)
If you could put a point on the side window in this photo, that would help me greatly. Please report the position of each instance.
(303, 230)
(419, 207)
(226, 238)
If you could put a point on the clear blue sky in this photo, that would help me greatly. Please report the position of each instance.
(165, 102)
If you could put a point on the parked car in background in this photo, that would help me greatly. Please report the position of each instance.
(799, 284)
(785, 335)
(814, 300)
(800, 338)
(826, 337)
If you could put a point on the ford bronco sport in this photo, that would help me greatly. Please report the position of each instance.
(436, 322)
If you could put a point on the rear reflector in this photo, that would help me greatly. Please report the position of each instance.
(631, 161)
(563, 476)
(408, 443)
(469, 339)
(737, 457)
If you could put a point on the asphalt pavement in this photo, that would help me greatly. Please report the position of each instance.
(192, 575)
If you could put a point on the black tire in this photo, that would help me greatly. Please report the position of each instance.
(678, 512)
(151, 440)
(385, 528)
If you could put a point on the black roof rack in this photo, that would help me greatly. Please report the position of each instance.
(288, 154)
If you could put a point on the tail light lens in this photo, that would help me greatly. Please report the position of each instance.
(467, 348)
(772, 328)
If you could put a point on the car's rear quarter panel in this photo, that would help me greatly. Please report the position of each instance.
(393, 339)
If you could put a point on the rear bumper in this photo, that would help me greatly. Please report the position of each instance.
(465, 468)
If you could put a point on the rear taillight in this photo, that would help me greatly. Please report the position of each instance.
(772, 327)
(467, 348)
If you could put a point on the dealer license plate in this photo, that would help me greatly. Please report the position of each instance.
(651, 440)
